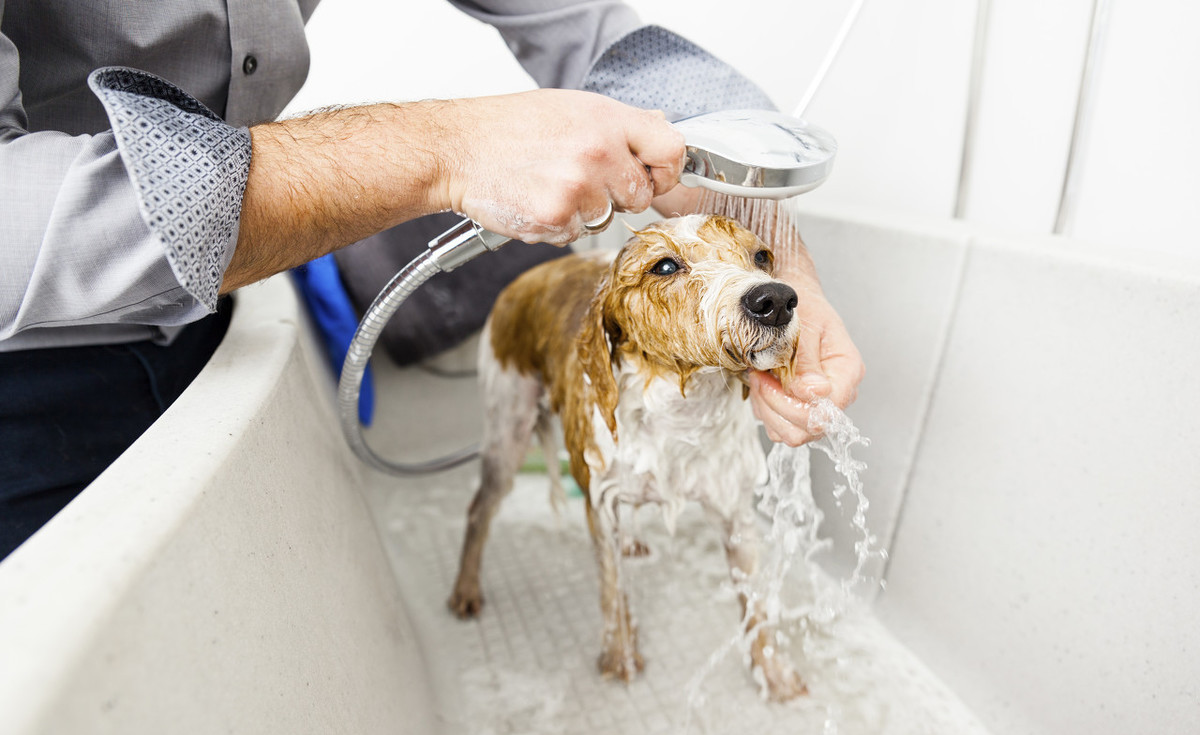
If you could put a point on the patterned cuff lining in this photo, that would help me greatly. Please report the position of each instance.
(189, 168)
(653, 68)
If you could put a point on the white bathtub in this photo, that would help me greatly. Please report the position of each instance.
(1033, 474)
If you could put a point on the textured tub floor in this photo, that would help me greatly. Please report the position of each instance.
(527, 664)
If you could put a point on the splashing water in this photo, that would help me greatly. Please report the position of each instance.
(801, 609)
(840, 436)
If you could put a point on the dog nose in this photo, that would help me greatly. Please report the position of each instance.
(770, 304)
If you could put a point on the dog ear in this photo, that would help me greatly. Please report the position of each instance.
(598, 342)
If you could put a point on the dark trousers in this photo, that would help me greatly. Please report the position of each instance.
(66, 413)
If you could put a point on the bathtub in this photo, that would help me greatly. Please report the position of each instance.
(1032, 474)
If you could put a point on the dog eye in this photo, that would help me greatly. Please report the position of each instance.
(762, 258)
(664, 267)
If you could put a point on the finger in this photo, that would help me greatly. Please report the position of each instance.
(808, 378)
(664, 178)
(786, 432)
(635, 190)
(846, 373)
(775, 407)
(678, 201)
(779, 429)
(659, 146)
(595, 211)
(598, 224)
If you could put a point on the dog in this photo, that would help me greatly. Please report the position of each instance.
(643, 358)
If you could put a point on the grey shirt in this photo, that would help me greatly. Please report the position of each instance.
(121, 191)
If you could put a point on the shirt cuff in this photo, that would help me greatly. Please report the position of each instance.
(188, 168)
(653, 68)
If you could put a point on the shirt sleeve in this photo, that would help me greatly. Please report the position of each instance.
(654, 68)
(133, 225)
(602, 46)
(556, 41)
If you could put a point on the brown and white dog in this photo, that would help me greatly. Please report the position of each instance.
(643, 358)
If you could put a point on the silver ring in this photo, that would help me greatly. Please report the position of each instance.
(601, 224)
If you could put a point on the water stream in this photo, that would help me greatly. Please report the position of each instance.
(801, 603)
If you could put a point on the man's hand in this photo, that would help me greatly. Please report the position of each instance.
(826, 364)
(678, 201)
(536, 166)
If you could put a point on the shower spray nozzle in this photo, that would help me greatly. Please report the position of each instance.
(759, 154)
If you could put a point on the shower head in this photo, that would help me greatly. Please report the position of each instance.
(760, 154)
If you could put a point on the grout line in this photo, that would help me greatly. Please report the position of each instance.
(926, 406)
(974, 84)
(1084, 108)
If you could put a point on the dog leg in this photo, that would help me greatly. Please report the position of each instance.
(511, 412)
(619, 657)
(742, 543)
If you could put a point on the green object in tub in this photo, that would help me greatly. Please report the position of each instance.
(535, 463)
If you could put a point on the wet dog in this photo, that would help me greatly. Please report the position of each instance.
(642, 357)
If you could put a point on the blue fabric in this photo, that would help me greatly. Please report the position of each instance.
(321, 286)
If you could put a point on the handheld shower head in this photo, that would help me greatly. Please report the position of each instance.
(759, 154)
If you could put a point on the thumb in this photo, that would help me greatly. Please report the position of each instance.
(807, 379)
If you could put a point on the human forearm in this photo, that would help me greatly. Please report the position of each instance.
(328, 179)
(534, 166)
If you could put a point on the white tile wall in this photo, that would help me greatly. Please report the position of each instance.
(1045, 563)
(1141, 176)
(1028, 91)
(896, 101)
(376, 50)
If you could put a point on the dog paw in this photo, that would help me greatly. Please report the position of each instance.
(620, 664)
(465, 604)
(631, 547)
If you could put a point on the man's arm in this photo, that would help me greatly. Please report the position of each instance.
(533, 166)
(79, 251)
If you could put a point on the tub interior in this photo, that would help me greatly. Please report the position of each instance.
(1032, 475)
(527, 663)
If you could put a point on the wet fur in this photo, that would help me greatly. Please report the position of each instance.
(646, 373)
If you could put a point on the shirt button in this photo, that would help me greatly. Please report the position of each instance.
(249, 64)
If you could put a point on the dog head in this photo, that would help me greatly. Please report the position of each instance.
(685, 294)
